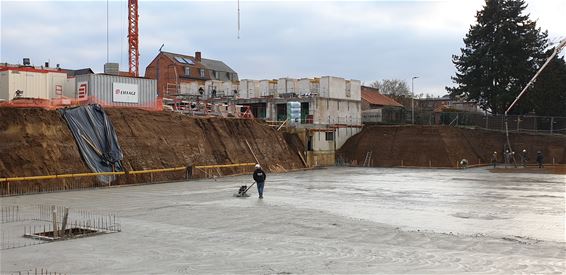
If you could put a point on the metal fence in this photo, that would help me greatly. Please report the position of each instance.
(526, 123)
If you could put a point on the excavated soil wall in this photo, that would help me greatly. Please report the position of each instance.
(36, 142)
(441, 146)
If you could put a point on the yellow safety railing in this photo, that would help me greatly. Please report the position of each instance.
(125, 172)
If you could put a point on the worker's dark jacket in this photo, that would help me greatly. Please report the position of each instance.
(259, 175)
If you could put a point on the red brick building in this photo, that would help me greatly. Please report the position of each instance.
(174, 69)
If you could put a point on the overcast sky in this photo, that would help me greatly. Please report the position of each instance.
(366, 40)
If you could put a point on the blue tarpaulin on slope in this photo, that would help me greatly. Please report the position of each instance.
(96, 139)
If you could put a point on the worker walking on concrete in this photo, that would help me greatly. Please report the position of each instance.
(494, 159)
(259, 178)
(540, 159)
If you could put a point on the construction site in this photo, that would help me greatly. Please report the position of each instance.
(118, 173)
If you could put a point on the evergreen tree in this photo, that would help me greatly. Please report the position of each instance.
(502, 52)
(548, 96)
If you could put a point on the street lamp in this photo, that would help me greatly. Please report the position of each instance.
(157, 70)
(413, 99)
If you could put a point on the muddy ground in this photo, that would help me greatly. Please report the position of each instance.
(336, 220)
(443, 146)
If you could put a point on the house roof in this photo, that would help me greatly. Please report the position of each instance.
(216, 65)
(376, 98)
(211, 64)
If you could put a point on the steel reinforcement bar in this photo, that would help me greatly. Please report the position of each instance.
(182, 168)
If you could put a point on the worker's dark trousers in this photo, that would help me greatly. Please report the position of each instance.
(260, 188)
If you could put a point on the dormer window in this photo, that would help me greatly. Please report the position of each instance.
(201, 72)
(187, 71)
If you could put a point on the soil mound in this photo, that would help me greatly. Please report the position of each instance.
(36, 142)
(441, 146)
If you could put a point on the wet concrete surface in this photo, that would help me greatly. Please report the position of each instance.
(335, 220)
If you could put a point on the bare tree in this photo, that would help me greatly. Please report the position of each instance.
(392, 87)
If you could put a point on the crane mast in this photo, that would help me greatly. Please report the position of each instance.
(133, 42)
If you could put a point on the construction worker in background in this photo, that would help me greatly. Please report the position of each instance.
(259, 178)
(494, 159)
(540, 159)
(507, 157)
(524, 158)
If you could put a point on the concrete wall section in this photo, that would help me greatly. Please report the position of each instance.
(335, 111)
(189, 88)
(355, 88)
(321, 158)
(249, 88)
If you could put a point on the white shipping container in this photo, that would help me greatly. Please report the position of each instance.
(107, 90)
(33, 83)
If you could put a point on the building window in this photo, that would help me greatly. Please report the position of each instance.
(187, 71)
(329, 136)
(216, 75)
(229, 76)
(201, 72)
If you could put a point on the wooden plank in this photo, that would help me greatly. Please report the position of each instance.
(249, 147)
(301, 155)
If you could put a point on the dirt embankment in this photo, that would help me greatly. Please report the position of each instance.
(160, 140)
(439, 146)
(38, 142)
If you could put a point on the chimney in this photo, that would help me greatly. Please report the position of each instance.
(198, 56)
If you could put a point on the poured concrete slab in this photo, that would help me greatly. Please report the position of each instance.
(336, 220)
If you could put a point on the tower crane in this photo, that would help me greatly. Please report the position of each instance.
(133, 41)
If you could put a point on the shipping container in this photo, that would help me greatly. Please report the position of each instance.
(31, 82)
(112, 90)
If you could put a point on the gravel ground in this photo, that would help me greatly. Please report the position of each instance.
(335, 220)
